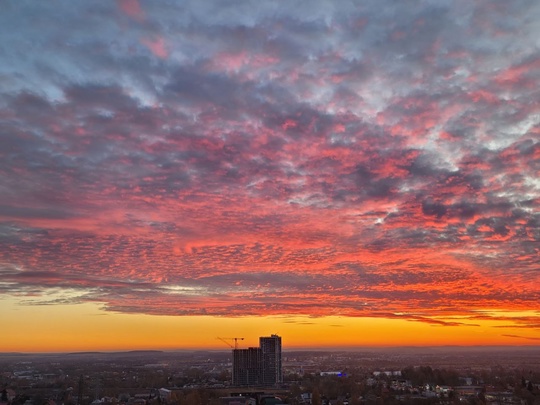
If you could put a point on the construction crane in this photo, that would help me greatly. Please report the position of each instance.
(236, 339)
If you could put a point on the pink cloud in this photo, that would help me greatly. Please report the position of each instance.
(132, 8)
(284, 163)
(517, 73)
(157, 46)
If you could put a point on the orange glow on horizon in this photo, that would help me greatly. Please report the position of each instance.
(66, 328)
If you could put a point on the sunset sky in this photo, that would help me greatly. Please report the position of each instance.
(341, 173)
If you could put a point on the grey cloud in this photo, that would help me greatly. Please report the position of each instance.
(29, 212)
(433, 208)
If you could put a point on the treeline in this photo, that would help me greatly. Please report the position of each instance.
(426, 375)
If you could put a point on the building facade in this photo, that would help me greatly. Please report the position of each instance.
(271, 354)
(247, 367)
(258, 366)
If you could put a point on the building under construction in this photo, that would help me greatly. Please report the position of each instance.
(258, 366)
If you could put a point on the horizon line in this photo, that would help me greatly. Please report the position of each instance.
(289, 349)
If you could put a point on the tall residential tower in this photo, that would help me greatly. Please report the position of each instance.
(258, 366)
(271, 354)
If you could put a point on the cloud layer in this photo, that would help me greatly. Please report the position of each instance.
(323, 158)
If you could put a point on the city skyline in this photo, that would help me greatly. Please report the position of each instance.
(342, 174)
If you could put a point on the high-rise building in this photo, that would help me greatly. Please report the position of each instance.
(247, 366)
(258, 366)
(271, 355)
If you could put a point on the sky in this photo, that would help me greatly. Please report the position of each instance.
(341, 173)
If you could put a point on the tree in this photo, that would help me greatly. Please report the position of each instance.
(316, 397)
(193, 398)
